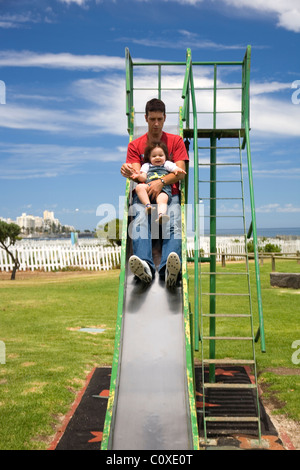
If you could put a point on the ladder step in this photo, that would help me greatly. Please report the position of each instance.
(223, 216)
(220, 198)
(227, 315)
(225, 274)
(227, 385)
(224, 293)
(220, 181)
(220, 164)
(228, 361)
(212, 147)
(249, 338)
(231, 418)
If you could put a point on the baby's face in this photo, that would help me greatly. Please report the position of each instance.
(157, 157)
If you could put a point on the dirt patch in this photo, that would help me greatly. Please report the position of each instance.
(283, 371)
(288, 430)
(22, 275)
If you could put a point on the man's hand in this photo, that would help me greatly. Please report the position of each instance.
(127, 170)
(155, 188)
(179, 170)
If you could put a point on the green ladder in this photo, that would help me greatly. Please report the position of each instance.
(218, 177)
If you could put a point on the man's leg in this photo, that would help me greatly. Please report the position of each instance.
(140, 232)
(171, 233)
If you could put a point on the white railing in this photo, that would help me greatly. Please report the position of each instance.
(90, 255)
(228, 246)
(51, 257)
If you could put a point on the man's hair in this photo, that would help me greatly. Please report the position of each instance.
(151, 147)
(155, 105)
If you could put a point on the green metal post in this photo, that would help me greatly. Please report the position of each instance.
(129, 87)
(246, 124)
(213, 231)
(215, 97)
(213, 249)
(188, 85)
(159, 82)
(255, 245)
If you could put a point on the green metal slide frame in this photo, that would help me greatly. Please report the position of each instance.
(191, 321)
(187, 315)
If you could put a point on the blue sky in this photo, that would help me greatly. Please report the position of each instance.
(63, 130)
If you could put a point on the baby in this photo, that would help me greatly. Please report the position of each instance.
(156, 165)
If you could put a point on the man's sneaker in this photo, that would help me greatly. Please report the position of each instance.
(140, 269)
(172, 269)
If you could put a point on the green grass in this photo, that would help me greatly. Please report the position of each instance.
(48, 359)
(276, 371)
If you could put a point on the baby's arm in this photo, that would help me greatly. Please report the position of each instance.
(173, 168)
(139, 176)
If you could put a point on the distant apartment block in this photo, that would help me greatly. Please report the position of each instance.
(34, 224)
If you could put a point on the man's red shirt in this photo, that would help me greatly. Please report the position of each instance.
(176, 148)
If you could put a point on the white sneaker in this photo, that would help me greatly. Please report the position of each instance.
(172, 269)
(140, 269)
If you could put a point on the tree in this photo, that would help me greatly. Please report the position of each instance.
(112, 231)
(9, 234)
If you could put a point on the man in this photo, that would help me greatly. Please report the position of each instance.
(141, 263)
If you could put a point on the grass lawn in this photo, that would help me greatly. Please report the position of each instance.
(48, 358)
(279, 376)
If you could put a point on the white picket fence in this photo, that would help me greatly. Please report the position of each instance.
(235, 249)
(51, 257)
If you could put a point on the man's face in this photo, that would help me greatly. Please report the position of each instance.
(155, 120)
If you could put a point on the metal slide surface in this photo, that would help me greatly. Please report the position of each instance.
(152, 398)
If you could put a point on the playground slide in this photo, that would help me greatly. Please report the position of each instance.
(151, 412)
(149, 405)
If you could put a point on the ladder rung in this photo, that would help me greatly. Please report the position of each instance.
(227, 385)
(220, 181)
(225, 315)
(229, 338)
(225, 148)
(220, 198)
(225, 274)
(219, 216)
(224, 293)
(231, 418)
(220, 164)
(228, 361)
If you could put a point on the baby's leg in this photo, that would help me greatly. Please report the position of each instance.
(162, 206)
(142, 192)
(162, 203)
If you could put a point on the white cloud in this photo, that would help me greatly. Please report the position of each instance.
(286, 11)
(276, 207)
(184, 39)
(76, 2)
(63, 60)
(275, 117)
(8, 21)
(30, 161)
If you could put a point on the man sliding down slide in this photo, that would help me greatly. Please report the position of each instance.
(141, 262)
